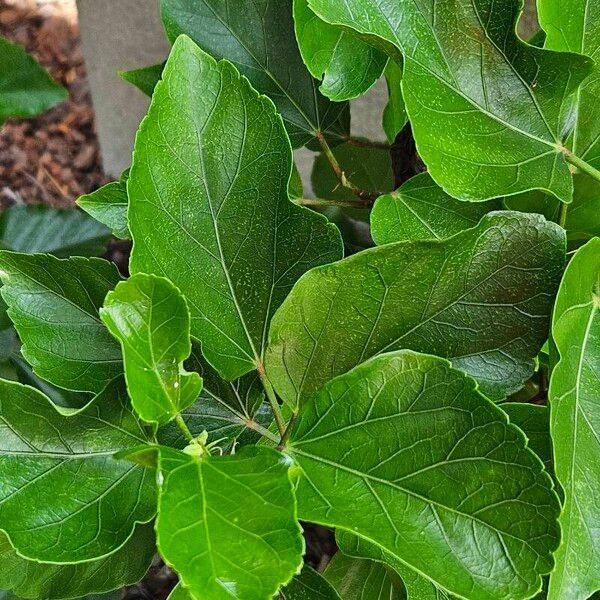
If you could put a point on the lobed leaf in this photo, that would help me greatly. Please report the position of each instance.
(64, 498)
(228, 524)
(439, 478)
(150, 318)
(489, 114)
(210, 209)
(481, 298)
(575, 424)
(257, 36)
(54, 305)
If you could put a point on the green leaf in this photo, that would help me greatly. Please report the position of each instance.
(64, 498)
(257, 36)
(481, 298)
(489, 114)
(369, 168)
(26, 89)
(445, 483)
(228, 524)
(145, 79)
(295, 187)
(574, 26)
(63, 233)
(54, 305)
(309, 585)
(108, 205)
(211, 211)
(347, 65)
(150, 318)
(394, 114)
(180, 593)
(356, 579)
(413, 585)
(29, 579)
(421, 210)
(575, 424)
(534, 421)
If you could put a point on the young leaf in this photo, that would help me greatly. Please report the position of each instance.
(63, 233)
(489, 114)
(150, 318)
(145, 79)
(257, 36)
(211, 211)
(421, 210)
(54, 305)
(347, 65)
(26, 89)
(30, 579)
(64, 498)
(356, 579)
(394, 114)
(481, 298)
(309, 585)
(108, 205)
(438, 477)
(228, 524)
(575, 424)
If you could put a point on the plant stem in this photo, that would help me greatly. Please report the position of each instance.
(364, 143)
(251, 424)
(581, 164)
(368, 197)
(184, 428)
(286, 433)
(562, 215)
(272, 399)
(358, 203)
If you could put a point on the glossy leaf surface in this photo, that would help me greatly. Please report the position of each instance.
(210, 210)
(257, 36)
(489, 113)
(481, 298)
(54, 305)
(575, 424)
(228, 524)
(309, 585)
(443, 481)
(64, 498)
(29, 579)
(150, 318)
(347, 65)
(421, 210)
(26, 89)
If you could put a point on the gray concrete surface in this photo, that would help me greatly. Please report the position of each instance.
(118, 35)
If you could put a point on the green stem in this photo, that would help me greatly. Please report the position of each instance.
(262, 430)
(272, 400)
(358, 203)
(286, 433)
(581, 164)
(367, 197)
(184, 428)
(562, 216)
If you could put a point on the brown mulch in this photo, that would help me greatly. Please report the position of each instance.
(55, 158)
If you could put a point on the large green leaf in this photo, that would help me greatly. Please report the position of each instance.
(394, 114)
(405, 451)
(64, 498)
(488, 111)
(574, 26)
(150, 318)
(108, 205)
(54, 305)
(257, 36)
(421, 210)
(357, 579)
(575, 424)
(211, 211)
(25, 88)
(309, 585)
(63, 233)
(481, 298)
(228, 524)
(42, 581)
(347, 65)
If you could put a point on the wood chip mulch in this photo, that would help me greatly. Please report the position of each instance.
(55, 158)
